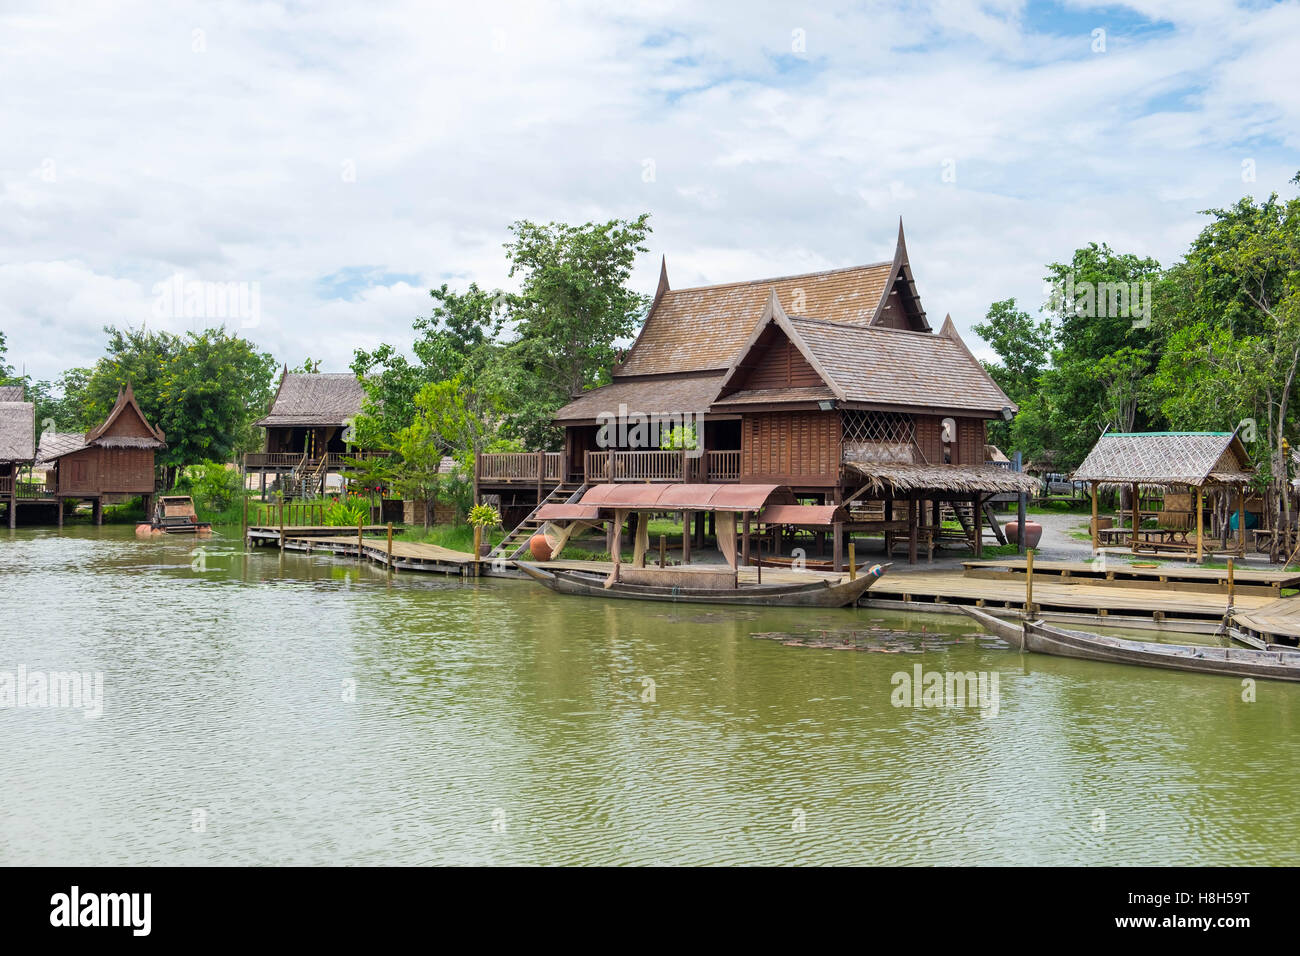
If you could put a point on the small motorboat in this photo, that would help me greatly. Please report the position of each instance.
(1202, 659)
(174, 514)
(702, 585)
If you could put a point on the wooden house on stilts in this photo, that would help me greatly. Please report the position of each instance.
(832, 385)
(110, 464)
(17, 445)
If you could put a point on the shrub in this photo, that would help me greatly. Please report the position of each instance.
(213, 486)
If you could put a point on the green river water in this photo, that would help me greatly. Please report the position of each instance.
(302, 709)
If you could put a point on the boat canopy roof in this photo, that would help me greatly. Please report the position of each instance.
(820, 516)
(681, 497)
(567, 512)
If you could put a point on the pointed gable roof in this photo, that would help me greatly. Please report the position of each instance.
(900, 306)
(701, 329)
(692, 330)
(872, 365)
(126, 426)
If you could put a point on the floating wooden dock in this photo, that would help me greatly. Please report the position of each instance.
(1118, 573)
(1119, 604)
(404, 555)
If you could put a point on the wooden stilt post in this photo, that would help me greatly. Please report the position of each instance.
(1200, 522)
(1241, 520)
(58, 503)
(744, 543)
(853, 563)
(912, 508)
(977, 521)
(244, 527)
(390, 546)
(837, 546)
(1232, 584)
(686, 537)
(281, 527)
(1137, 519)
(1096, 536)
(360, 525)
(1029, 582)
(663, 550)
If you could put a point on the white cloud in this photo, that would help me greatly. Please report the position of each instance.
(132, 148)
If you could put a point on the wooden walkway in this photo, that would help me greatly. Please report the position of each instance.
(1070, 598)
(1121, 573)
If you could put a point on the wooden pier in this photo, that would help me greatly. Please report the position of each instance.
(1120, 595)
(366, 544)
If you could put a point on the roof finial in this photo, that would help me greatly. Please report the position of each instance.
(662, 288)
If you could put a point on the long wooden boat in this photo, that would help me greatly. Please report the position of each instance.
(1061, 642)
(817, 593)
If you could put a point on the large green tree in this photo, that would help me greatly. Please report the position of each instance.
(1229, 317)
(574, 304)
(204, 389)
(1105, 349)
(1024, 347)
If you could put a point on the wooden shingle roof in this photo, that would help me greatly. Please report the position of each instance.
(871, 365)
(663, 395)
(1166, 458)
(695, 329)
(321, 398)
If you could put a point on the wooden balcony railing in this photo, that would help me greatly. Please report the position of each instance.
(26, 489)
(712, 466)
(289, 460)
(723, 465)
(545, 466)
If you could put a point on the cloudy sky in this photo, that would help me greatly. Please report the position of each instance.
(341, 159)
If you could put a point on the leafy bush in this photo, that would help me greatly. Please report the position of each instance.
(213, 486)
(347, 512)
(484, 516)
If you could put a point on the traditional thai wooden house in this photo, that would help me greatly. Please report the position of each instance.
(109, 464)
(17, 444)
(832, 384)
(1186, 466)
(308, 431)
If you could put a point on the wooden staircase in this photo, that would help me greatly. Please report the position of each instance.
(514, 543)
(962, 513)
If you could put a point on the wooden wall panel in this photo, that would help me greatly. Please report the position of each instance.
(788, 447)
(782, 366)
(97, 471)
(929, 430)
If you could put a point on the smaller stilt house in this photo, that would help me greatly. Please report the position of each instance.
(17, 443)
(307, 431)
(1186, 467)
(109, 464)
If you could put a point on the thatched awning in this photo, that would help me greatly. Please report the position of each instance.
(962, 479)
(1195, 459)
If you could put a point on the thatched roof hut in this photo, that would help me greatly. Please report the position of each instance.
(314, 399)
(1195, 459)
(17, 431)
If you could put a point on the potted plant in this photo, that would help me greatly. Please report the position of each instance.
(482, 516)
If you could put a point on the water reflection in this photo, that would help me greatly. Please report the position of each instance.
(321, 711)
